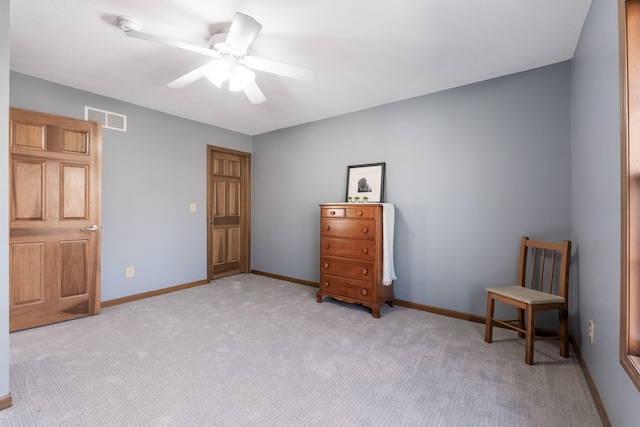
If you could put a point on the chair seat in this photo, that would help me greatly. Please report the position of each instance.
(526, 295)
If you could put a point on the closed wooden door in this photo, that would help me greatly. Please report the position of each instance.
(228, 212)
(54, 223)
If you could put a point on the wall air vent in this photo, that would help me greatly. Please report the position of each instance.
(108, 119)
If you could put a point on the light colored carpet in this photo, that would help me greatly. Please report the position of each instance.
(250, 350)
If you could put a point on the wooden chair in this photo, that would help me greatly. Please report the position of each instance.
(541, 266)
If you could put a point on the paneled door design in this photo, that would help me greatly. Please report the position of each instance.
(54, 219)
(229, 178)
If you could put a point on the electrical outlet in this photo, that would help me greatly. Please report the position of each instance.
(129, 272)
(591, 331)
(192, 207)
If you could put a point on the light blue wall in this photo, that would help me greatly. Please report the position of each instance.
(596, 210)
(470, 170)
(150, 175)
(4, 198)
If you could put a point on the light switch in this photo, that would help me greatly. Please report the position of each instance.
(192, 207)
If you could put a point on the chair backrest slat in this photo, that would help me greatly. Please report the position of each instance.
(533, 264)
(553, 270)
(543, 259)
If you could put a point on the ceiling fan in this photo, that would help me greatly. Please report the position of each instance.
(231, 60)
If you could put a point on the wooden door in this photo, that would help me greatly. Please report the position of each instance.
(228, 212)
(54, 222)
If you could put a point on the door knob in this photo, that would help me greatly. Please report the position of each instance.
(92, 228)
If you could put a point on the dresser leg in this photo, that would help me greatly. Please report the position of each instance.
(375, 311)
(391, 302)
(318, 298)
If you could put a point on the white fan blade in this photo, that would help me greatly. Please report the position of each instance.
(279, 68)
(242, 32)
(191, 77)
(173, 43)
(254, 93)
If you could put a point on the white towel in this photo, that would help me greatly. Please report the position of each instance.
(388, 222)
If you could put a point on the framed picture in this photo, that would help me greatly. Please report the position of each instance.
(365, 183)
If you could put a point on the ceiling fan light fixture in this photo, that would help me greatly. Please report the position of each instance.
(240, 77)
(219, 72)
(215, 80)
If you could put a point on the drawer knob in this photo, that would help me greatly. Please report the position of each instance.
(364, 292)
(327, 228)
(359, 213)
(327, 246)
(365, 250)
(325, 265)
(365, 271)
(365, 230)
(325, 284)
(332, 213)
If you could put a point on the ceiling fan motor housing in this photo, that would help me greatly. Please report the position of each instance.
(218, 38)
(218, 43)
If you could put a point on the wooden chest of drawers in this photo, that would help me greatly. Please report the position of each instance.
(351, 255)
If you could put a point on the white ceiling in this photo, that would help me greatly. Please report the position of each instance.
(364, 52)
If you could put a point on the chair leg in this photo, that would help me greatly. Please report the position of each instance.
(488, 328)
(531, 315)
(563, 332)
(521, 322)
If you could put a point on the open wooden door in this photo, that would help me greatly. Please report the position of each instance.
(228, 208)
(54, 219)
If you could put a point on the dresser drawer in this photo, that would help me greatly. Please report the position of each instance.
(361, 211)
(348, 228)
(347, 268)
(354, 289)
(336, 212)
(350, 248)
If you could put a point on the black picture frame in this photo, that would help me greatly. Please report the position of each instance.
(365, 181)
